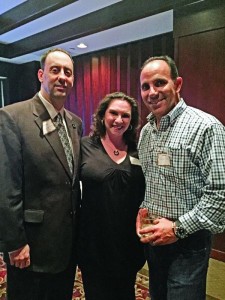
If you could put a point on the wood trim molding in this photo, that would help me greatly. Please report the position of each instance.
(187, 22)
(219, 255)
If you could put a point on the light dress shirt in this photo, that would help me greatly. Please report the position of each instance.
(53, 113)
(184, 166)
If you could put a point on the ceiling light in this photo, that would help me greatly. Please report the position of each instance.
(82, 46)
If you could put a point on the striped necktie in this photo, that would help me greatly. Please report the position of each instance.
(64, 140)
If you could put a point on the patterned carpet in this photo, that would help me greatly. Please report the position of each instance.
(141, 286)
(2, 279)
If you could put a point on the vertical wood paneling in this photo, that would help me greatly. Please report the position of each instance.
(116, 69)
(203, 71)
(200, 44)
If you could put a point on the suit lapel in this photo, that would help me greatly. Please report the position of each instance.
(52, 137)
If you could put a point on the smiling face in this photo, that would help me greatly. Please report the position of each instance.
(56, 78)
(159, 91)
(117, 117)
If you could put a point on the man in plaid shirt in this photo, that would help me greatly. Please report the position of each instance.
(182, 153)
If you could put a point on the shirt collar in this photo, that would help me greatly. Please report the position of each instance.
(171, 117)
(50, 108)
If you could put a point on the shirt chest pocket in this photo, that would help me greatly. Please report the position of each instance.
(182, 164)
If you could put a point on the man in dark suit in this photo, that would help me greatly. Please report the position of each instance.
(39, 187)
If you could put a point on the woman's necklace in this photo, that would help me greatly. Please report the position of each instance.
(115, 151)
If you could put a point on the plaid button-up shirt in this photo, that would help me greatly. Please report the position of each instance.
(189, 183)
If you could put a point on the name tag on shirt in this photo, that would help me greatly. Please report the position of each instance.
(48, 126)
(135, 161)
(163, 159)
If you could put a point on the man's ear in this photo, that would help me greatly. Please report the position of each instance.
(178, 83)
(73, 81)
(40, 75)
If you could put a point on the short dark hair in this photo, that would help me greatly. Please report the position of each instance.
(44, 55)
(98, 127)
(170, 62)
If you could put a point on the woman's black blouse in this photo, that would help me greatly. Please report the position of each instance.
(111, 196)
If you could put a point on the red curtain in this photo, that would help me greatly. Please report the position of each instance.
(110, 70)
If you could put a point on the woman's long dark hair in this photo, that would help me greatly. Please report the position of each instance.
(98, 126)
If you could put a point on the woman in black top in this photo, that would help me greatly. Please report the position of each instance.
(113, 185)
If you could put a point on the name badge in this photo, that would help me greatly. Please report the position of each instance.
(163, 159)
(135, 161)
(48, 126)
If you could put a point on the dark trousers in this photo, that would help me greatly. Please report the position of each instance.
(178, 271)
(27, 285)
(102, 286)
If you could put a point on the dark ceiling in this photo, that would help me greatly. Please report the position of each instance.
(115, 14)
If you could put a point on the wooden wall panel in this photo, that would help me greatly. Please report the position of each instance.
(202, 66)
(200, 56)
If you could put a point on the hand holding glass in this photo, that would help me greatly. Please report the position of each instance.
(146, 219)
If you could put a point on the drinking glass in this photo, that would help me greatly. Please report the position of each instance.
(147, 219)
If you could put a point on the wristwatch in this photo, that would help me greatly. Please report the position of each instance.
(179, 230)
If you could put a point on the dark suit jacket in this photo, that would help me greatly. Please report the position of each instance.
(39, 198)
